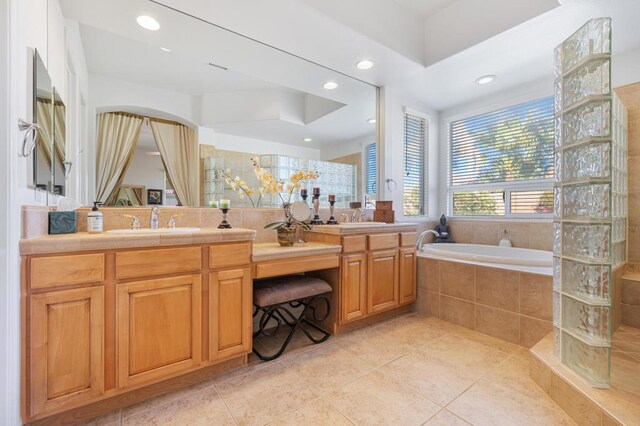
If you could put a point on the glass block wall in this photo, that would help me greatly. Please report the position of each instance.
(213, 179)
(335, 178)
(590, 200)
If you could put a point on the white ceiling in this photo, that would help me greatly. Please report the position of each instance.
(513, 42)
(117, 47)
(329, 32)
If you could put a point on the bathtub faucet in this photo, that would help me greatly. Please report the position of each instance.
(423, 235)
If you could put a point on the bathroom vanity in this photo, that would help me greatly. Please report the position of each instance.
(377, 270)
(106, 316)
(112, 319)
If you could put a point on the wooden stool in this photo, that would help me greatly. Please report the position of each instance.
(271, 297)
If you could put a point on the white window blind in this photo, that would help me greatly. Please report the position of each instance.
(502, 163)
(370, 169)
(415, 141)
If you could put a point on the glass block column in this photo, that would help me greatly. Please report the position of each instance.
(590, 199)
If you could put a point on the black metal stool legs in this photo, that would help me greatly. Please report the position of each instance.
(282, 315)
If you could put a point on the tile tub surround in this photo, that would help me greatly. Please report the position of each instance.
(630, 299)
(536, 235)
(35, 219)
(511, 305)
(630, 96)
(424, 370)
(587, 405)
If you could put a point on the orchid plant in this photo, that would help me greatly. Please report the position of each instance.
(267, 184)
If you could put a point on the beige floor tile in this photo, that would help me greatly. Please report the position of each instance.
(508, 397)
(110, 419)
(317, 412)
(444, 370)
(165, 399)
(201, 408)
(445, 418)
(264, 394)
(379, 399)
(332, 366)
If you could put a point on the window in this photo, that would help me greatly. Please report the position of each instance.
(370, 169)
(415, 148)
(501, 162)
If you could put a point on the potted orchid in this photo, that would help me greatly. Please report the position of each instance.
(268, 184)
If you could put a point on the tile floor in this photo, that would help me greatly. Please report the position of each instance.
(409, 370)
(625, 360)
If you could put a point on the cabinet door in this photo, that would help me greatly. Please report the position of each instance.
(158, 327)
(230, 313)
(382, 280)
(66, 332)
(407, 275)
(354, 287)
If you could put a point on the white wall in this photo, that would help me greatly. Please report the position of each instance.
(23, 24)
(391, 153)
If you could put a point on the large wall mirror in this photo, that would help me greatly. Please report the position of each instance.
(179, 108)
(49, 112)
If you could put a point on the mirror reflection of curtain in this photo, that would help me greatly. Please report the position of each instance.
(130, 195)
(117, 139)
(179, 151)
(44, 118)
(60, 130)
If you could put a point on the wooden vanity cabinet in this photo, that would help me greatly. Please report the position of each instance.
(158, 328)
(407, 275)
(66, 354)
(230, 320)
(377, 272)
(382, 280)
(97, 325)
(353, 291)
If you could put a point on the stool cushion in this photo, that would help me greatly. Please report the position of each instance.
(276, 291)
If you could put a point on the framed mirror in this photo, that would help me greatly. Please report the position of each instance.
(195, 105)
(43, 115)
(60, 163)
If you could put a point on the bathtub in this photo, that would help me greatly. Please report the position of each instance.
(512, 258)
(504, 292)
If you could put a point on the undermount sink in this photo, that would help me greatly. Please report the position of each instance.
(364, 224)
(153, 231)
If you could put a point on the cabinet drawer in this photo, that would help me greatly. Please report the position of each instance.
(294, 266)
(383, 241)
(67, 270)
(147, 263)
(354, 244)
(229, 255)
(408, 239)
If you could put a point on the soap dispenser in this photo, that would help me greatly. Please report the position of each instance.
(505, 242)
(94, 219)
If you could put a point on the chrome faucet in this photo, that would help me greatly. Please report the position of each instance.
(135, 222)
(171, 223)
(356, 216)
(423, 235)
(155, 211)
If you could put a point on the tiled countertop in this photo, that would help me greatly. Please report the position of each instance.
(272, 251)
(364, 228)
(83, 241)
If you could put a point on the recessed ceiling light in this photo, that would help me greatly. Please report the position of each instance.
(153, 153)
(364, 65)
(165, 49)
(330, 85)
(371, 121)
(485, 79)
(307, 139)
(147, 22)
